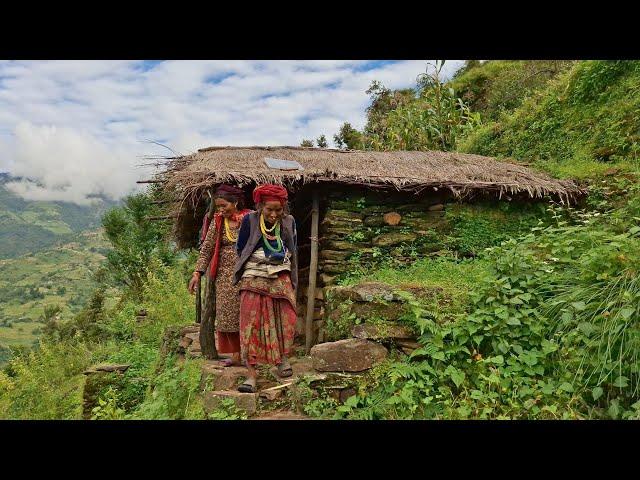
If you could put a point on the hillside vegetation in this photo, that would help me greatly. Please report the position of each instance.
(30, 226)
(62, 276)
(543, 325)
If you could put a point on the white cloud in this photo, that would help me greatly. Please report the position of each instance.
(61, 163)
(80, 128)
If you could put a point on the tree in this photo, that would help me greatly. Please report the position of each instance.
(322, 141)
(135, 241)
(306, 143)
(384, 101)
(50, 318)
(348, 137)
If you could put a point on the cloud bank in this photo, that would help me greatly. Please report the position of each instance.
(76, 129)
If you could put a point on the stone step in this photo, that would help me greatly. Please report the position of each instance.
(193, 336)
(190, 329)
(351, 355)
(281, 415)
(221, 378)
(300, 366)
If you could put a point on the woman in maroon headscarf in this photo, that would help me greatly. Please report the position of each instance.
(218, 254)
(267, 273)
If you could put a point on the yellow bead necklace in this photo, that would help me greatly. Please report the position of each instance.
(263, 226)
(227, 231)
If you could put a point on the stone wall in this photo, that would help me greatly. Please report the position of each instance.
(361, 227)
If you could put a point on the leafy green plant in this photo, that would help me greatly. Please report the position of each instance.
(107, 408)
(227, 410)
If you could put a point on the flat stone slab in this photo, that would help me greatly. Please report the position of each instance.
(111, 367)
(221, 378)
(351, 355)
(378, 331)
(244, 401)
(190, 329)
(365, 292)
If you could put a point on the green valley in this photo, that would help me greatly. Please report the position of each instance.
(62, 276)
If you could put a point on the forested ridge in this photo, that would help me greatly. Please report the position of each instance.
(542, 321)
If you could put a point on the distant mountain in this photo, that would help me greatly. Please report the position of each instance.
(30, 226)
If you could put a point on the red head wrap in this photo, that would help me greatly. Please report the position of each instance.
(267, 193)
(229, 190)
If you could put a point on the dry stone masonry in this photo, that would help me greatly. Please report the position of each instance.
(365, 227)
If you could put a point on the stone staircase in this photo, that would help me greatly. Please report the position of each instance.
(332, 366)
(220, 383)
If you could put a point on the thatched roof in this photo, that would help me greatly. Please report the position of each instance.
(402, 170)
(187, 178)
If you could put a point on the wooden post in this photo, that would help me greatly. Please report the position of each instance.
(208, 323)
(313, 269)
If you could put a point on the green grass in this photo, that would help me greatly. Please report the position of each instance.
(580, 127)
(457, 279)
(499, 86)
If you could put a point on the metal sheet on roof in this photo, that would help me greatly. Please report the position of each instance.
(278, 164)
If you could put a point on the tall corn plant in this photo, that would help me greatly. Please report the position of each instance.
(435, 120)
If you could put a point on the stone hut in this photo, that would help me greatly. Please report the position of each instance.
(362, 204)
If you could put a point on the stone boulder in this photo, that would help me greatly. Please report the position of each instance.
(351, 355)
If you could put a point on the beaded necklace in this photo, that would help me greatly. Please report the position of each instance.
(265, 235)
(227, 231)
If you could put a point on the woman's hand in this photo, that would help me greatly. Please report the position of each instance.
(193, 283)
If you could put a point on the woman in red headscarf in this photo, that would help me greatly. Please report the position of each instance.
(217, 255)
(267, 274)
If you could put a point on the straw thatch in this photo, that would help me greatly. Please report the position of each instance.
(412, 171)
(402, 170)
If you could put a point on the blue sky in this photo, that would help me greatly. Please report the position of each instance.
(79, 128)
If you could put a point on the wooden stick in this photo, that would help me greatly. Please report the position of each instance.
(151, 181)
(162, 217)
(198, 303)
(313, 269)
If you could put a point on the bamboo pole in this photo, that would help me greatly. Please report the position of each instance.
(313, 269)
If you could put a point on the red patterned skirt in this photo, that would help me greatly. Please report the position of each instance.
(267, 318)
(228, 342)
